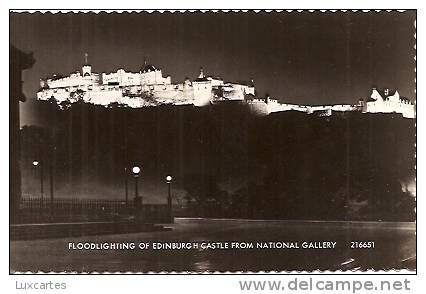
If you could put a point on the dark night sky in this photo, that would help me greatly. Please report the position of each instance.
(306, 58)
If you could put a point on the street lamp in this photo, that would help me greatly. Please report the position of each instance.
(138, 200)
(37, 163)
(136, 170)
(169, 179)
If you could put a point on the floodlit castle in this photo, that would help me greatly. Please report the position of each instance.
(388, 101)
(149, 87)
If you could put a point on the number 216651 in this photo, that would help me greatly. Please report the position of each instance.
(362, 244)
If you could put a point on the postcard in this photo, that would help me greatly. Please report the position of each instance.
(212, 142)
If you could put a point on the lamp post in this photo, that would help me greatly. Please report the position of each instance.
(36, 163)
(169, 179)
(126, 189)
(138, 200)
(51, 188)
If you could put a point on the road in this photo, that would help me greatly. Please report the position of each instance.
(394, 247)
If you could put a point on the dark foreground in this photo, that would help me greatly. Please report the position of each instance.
(394, 248)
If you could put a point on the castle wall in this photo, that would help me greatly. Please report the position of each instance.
(276, 107)
(258, 107)
(232, 93)
(173, 94)
(244, 89)
(216, 82)
(73, 81)
(202, 93)
(102, 97)
(122, 78)
(154, 77)
(237, 91)
(405, 108)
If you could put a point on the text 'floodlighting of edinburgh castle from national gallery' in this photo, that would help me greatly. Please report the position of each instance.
(149, 87)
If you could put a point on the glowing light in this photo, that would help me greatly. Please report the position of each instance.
(136, 170)
(35, 162)
(169, 178)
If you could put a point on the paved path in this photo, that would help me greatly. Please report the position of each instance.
(394, 247)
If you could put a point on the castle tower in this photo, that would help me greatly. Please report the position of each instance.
(87, 68)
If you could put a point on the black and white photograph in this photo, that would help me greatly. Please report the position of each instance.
(212, 141)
